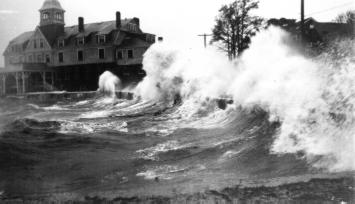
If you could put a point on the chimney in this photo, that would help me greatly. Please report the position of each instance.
(81, 24)
(136, 20)
(160, 39)
(118, 19)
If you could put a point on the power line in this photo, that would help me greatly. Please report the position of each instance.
(329, 9)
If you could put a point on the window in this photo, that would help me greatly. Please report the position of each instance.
(34, 44)
(48, 59)
(80, 56)
(58, 16)
(130, 54)
(101, 39)
(119, 54)
(60, 57)
(61, 43)
(30, 58)
(150, 38)
(132, 27)
(39, 58)
(80, 41)
(41, 43)
(45, 16)
(101, 53)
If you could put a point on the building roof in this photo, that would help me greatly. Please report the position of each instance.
(100, 28)
(22, 38)
(322, 29)
(51, 4)
(119, 38)
(134, 42)
(338, 29)
(105, 27)
(329, 29)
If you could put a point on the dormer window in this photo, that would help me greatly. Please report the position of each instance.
(101, 39)
(45, 16)
(61, 43)
(132, 27)
(80, 41)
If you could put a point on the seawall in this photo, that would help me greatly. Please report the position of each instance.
(44, 97)
(63, 95)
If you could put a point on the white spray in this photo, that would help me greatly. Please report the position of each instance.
(313, 98)
(193, 74)
(109, 83)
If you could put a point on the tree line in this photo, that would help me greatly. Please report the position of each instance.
(235, 25)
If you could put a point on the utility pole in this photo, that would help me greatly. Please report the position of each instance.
(302, 20)
(205, 38)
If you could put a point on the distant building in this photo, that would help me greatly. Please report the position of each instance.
(72, 58)
(315, 32)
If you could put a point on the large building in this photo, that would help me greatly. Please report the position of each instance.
(55, 57)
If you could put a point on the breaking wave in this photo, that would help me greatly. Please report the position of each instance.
(312, 97)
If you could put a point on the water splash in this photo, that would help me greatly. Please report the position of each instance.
(109, 83)
(313, 98)
(191, 73)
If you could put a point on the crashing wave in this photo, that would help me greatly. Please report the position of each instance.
(313, 98)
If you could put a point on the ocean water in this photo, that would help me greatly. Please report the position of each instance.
(292, 118)
(94, 145)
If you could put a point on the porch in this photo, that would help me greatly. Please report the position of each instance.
(23, 78)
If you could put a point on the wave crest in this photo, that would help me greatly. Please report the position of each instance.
(312, 97)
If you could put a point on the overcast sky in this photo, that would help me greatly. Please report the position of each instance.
(176, 20)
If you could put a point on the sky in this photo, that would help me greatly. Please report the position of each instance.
(176, 20)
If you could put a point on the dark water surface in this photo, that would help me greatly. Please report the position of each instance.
(99, 147)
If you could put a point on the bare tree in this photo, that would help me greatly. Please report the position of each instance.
(347, 17)
(235, 25)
